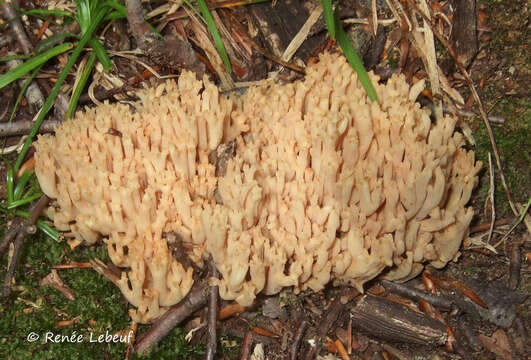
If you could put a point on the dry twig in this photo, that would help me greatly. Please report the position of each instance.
(54, 280)
(23, 127)
(486, 226)
(491, 197)
(35, 96)
(415, 294)
(514, 266)
(212, 314)
(298, 338)
(393, 321)
(195, 300)
(246, 345)
(23, 229)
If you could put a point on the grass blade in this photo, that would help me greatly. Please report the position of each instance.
(10, 182)
(55, 90)
(21, 184)
(23, 91)
(209, 20)
(24, 201)
(100, 52)
(14, 57)
(117, 7)
(115, 15)
(32, 63)
(354, 60)
(53, 40)
(328, 12)
(41, 13)
(87, 70)
(194, 10)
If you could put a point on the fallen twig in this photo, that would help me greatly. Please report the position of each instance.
(456, 284)
(212, 314)
(514, 266)
(196, 299)
(393, 321)
(24, 127)
(491, 197)
(246, 345)
(298, 338)
(415, 294)
(486, 226)
(10, 235)
(23, 229)
(129, 350)
(74, 265)
(11, 16)
(8, 9)
(54, 280)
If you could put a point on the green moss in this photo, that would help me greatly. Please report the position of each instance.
(173, 347)
(471, 270)
(514, 146)
(99, 308)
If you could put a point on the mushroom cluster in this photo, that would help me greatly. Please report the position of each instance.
(323, 185)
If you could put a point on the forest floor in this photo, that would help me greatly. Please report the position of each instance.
(502, 73)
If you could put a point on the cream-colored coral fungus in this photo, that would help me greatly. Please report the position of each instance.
(325, 185)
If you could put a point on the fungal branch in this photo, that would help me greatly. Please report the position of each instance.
(319, 184)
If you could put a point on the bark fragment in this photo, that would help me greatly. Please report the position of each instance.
(396, 322)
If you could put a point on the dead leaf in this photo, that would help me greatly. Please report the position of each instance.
(53, 279)
(498, 344)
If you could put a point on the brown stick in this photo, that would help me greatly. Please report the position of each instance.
(37, 98)
(486, 226)
(415, 294)
(10, 235)
(23, 127)
(34, 94)
(24, 229)
(6, 290)
(212, 315)
(135, 17)
(393, 321)
(298, 338)
(196, 299)
(514, 266)
(246, 345)
(13, 19)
